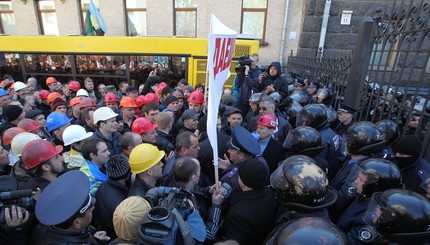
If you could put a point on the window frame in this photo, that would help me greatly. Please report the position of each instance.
(2, 11)
(39, 14)
(175, 10)
(127, 10)
(255, 10)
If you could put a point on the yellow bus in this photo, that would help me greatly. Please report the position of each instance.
(110, 59)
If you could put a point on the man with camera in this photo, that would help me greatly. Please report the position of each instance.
(246, 79)
(273, 81)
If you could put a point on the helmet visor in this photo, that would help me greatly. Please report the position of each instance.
(288, 142)
(278, 179)
(302, 120)
(376, 214)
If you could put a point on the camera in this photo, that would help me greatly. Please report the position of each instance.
(243, 61)
(19, 198)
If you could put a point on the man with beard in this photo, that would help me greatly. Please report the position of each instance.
(273, 81)
(43, 159)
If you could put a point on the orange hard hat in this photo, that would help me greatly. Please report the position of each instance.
(43, 94)
(87, 102)
(52, 96)
(111, 97)
(127, 102)
(267, 120)
(139, 100)
(196, 97)
(10, 133)
(50, 80)
(142, 125)
(75, 101)
(28, 125)
(150, 97)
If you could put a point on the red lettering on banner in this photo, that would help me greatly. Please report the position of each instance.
(224, 48)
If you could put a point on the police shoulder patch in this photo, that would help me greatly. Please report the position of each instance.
(232, 172)
(367, 234)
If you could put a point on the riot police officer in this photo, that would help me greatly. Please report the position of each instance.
(399, 216)
(391, 135)
(375, 174)
(303, 191)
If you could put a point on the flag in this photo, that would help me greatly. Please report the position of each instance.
(89, 29)
(94, 22)
(221, 43)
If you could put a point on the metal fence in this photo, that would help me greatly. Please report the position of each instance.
(388, 75)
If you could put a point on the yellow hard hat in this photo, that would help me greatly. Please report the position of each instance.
(144, 157)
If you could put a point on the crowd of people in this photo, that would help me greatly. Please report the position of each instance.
(86, 164)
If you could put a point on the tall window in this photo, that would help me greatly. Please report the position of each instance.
(7, 19)
(47, 17)
(185, 18)
(136, 17)
(254, 15)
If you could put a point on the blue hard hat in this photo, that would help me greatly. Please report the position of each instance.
(64, 198)
(56, 120)
(3, 92)
(242, 140)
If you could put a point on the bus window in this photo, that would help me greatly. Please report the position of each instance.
(100, 64)
(47, 63)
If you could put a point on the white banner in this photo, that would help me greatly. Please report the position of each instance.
(221, 42)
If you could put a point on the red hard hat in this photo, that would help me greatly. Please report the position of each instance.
(196, 97)
(127, 102)
(28, 125)
(150, 97)
(74, 86)
(39, 151)
(10, 133)
(87, 102)
(43, 94)
(75, 101)
(268, 121)
(139, 100)
(110, 97)
(160, 87)
(142, 125)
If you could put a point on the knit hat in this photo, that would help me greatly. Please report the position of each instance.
(117, 167)
(166, 90)
(189, 88)
(170, 99)
(12, 112)
(57, 102)
(128, 216)
(31, 114)
(254, 173)
(408, 144)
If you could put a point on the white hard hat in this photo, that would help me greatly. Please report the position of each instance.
(20, 141)
(103, 114)
(18, 86)
(82, 92)
(75, 133)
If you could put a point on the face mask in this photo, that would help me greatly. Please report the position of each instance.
(403, 162)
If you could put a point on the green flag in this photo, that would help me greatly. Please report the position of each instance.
(89, 30)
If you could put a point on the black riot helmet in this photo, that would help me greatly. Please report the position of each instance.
(324, 96)
(313, 115)
(277, 98)
(399, 215)
(300, 97)
(310, 230)
(389, 130)
(304, 140)
(364, 138)
(381, 175)
(301, 185)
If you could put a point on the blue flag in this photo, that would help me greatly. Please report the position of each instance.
(98, 22)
